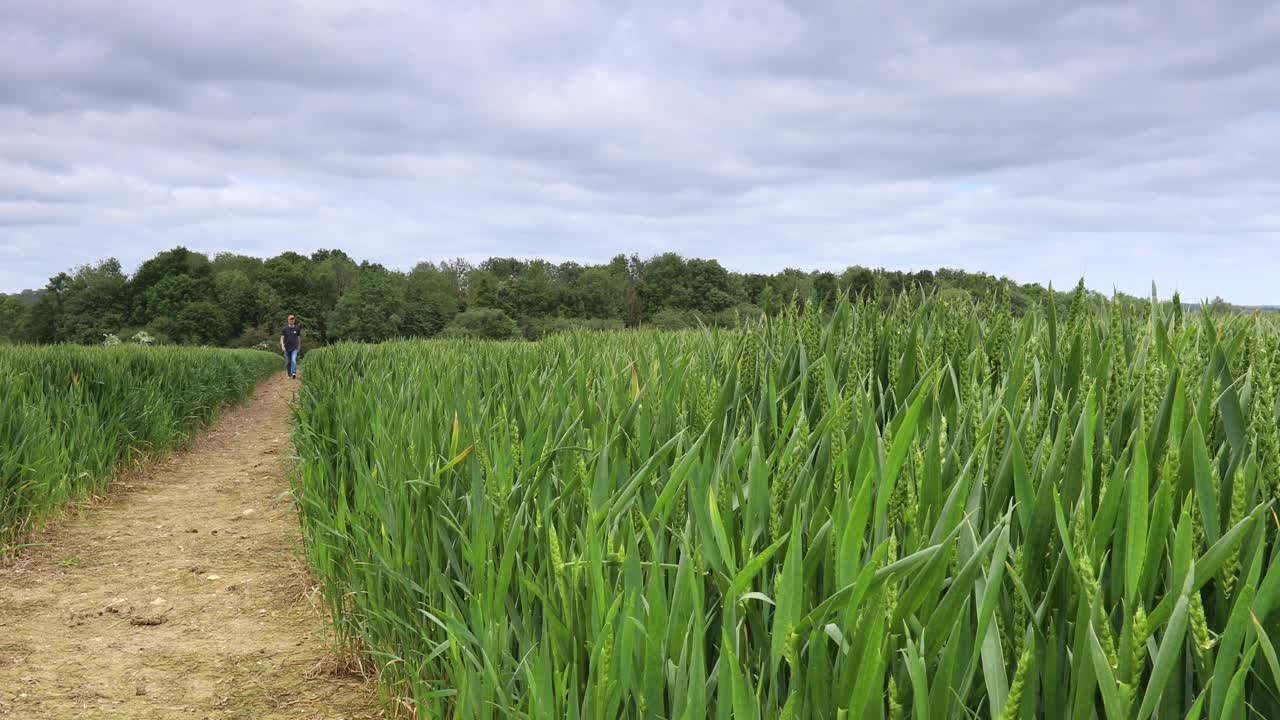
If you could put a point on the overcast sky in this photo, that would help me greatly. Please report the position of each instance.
(1126, 142)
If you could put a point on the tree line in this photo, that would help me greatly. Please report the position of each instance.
(185, 297)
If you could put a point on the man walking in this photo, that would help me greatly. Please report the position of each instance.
(290, 343)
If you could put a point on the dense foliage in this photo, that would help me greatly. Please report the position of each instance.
(934, 509)
(183, 297)
(70, 416)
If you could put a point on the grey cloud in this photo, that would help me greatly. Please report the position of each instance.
(1129, 140)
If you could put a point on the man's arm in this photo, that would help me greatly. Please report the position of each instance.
(282, 342)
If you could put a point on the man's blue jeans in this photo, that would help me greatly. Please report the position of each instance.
(291, 362)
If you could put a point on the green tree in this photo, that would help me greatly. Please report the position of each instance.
(753, 285)
(430, 301)
(170, 295)
(238, 299)
(482, 288)
(332, 274)
(95, 301)
(28, 297)
(254, 296)
(825, 287)
(45, 314)
(628, 269)
(370, 310)
(504, 268)
(597, 292)
(233, 262)
(664, 283)
(167, 264)
(858, 281)
(13, 318)
(710, 286)
(793, 285)
(530, 293)
(289, 274)
(202, 323)
(566, 274)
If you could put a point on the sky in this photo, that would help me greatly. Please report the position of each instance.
(1125, 142)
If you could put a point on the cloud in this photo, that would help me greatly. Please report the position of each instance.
(1130, 142)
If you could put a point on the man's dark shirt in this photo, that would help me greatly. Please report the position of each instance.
(290, 335)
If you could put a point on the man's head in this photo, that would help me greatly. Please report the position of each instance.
(293, 320)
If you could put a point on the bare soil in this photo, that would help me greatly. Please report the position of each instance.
(181, 595)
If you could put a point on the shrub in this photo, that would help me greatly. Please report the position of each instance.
(483, 324)
(671, 319)
(538, 328)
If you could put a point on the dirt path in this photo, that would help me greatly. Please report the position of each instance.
(181, 596)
